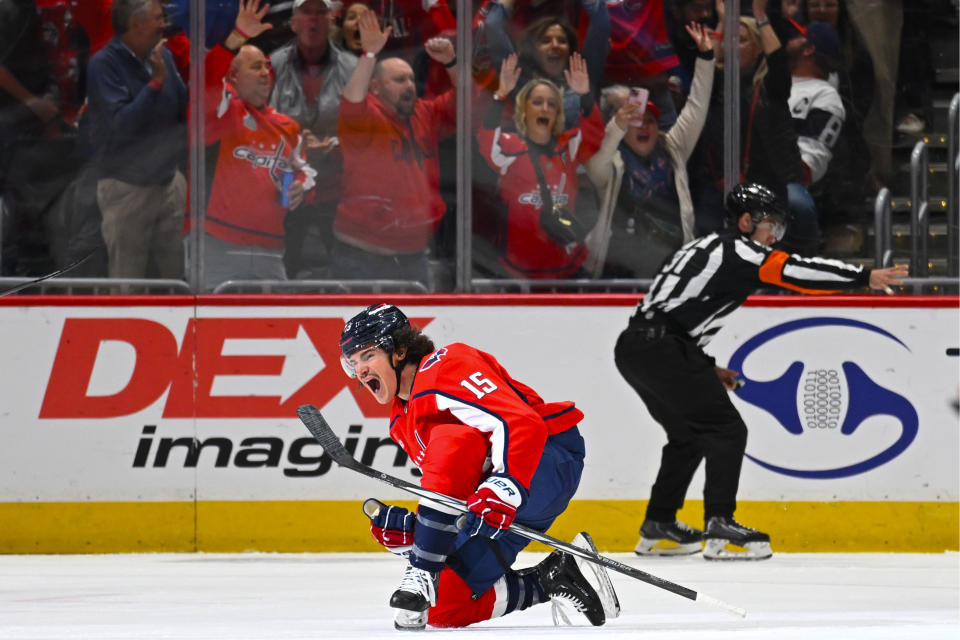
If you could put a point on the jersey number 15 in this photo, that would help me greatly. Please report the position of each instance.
(476, 384)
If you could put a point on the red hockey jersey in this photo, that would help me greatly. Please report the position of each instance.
(526, 250)
(391, 172)
(467, 418)
(639, 45)
(256, 147)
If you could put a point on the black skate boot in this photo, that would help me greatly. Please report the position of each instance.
(415, 595)
(668, 539)
(721, 532)
(561, 579)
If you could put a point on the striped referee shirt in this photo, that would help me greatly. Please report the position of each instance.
(708, 278)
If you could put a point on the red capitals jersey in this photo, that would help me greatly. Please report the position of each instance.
(526, 250)
(467, 418)
(256, 147)
(639, 46)
(391, 172)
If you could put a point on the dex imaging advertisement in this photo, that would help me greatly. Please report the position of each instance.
(119, 403)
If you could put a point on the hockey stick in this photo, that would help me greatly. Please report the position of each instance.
(59, 272)
(318, 427)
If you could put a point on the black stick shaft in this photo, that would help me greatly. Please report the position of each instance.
(59, 272)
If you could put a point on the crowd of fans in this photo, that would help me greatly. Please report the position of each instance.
(330, 133)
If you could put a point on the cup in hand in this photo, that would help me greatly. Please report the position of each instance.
(286, 179)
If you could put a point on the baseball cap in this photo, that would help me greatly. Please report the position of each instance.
(652, 108)
(827, 43)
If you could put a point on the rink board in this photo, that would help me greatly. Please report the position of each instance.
(168, 423)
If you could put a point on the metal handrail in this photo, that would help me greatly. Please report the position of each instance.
(917, 285)
(919, 218)
(545, 285)
(953, 179)
(102, 285)
(321, 286)
(882, 229)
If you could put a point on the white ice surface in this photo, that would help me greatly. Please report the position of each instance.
(278, 596)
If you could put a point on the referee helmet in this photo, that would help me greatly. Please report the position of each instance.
(760, 202)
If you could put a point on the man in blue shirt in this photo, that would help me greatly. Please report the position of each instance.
(138, 112)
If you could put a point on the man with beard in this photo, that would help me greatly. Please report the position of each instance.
(391, 205)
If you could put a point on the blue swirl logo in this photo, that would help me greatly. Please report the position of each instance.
(820, 399)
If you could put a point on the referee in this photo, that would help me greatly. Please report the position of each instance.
(660, 354)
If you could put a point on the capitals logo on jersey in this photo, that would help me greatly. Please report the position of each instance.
(270, 157)
(557, 195)
(534, 198)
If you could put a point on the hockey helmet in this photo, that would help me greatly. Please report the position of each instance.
(374, 326)
(760, 202)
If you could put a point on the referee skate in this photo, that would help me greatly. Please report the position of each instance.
(727, 539)
(668, 539)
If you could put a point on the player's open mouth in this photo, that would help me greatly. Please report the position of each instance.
(373, 384)
(544, 122)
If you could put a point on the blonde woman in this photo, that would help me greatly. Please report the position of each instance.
(537, 235)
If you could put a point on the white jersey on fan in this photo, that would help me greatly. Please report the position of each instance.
(818, 118)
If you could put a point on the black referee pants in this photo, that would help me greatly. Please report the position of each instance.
(678, 383)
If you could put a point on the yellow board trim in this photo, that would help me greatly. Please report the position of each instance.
(315, 526)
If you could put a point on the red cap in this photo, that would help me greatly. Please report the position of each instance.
(652, 108)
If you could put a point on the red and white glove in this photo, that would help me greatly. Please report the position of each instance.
(495, 503)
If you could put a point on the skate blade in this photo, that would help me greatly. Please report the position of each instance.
(719, 549)
(602, 582)
(404, 620)
(559, 614)
(663, 547)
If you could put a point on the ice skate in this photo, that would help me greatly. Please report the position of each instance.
(668, 539)
(601, 579)
(415, 595)
(747, 543)
(562, 580)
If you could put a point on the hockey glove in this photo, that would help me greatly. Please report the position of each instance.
(391, 526)
(494, 505)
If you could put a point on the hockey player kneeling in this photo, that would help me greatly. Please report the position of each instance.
(481, 436)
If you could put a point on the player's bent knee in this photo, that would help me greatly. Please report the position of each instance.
(456, 606)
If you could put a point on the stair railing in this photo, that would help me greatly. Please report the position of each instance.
(953, 179)
(919, 209)
(882, 229)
